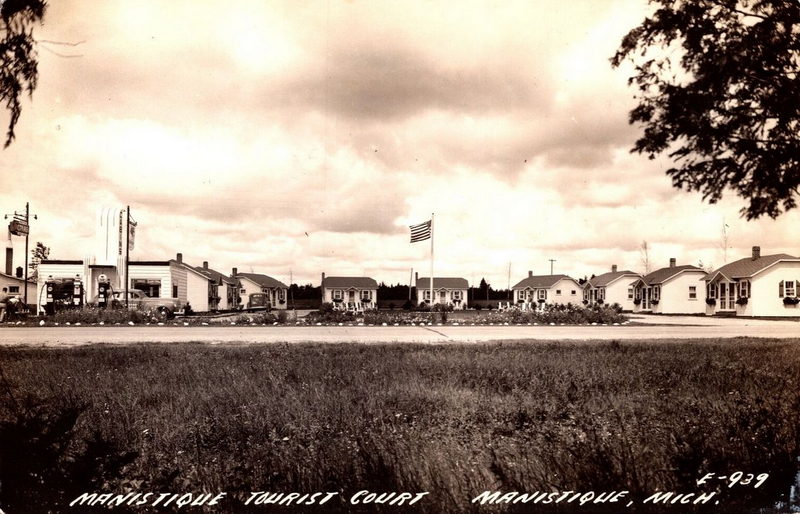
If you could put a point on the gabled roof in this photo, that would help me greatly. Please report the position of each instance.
(612, 276)
(215, 275)
(262, 280)
(660, 276)
(748, 266)
(346, 282)
(31, 280)
(442, 282)
(541, 281)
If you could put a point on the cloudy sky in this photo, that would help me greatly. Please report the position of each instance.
(306, 136)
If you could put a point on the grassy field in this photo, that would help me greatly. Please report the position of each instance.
(454, 420)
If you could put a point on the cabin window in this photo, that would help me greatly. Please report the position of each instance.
(693, 292)
(174, 291)
(13, 289)
(712, 291)
(337, 294)
(573, 292)
(630, 293)
(366, 296)
(586, 294)
(744, 289)
(601, 293)
(788, 288)
(542, 294)
(456, 295)
(150, 287)
(638, 293)
(426, 295)
(656, 292)
(558, 292)
(282, 295)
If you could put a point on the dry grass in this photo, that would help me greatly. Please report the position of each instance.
(454, 420)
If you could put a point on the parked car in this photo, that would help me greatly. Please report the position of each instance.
(164, 307)
(258, 301)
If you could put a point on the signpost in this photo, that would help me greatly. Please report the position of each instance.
(20, 226)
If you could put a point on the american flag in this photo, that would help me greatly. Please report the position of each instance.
(420, 232)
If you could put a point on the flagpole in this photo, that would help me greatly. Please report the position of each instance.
(431, 261)
(127, 250)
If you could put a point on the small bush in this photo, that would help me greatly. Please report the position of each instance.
(89, 315)
(259, 318)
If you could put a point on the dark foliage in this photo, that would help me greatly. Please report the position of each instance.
(42, 453)
(717, 86)
(18, 65)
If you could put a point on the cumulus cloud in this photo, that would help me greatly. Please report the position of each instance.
(295, 138)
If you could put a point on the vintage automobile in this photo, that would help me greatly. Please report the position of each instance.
(164, 307)
(258, 301)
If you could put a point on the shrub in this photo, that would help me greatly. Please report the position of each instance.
(791, 301)
(478, 307)
(408, 305)
(260, 318)
(326, 307)
(88, 315)
(741, 301)
(330, 316)
(711, 301)
(637, 301)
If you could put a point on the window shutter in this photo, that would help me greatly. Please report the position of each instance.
(780, 289)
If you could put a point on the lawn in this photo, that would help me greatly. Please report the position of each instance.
(453, 420)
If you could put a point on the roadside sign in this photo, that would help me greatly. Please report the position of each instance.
(18, 227)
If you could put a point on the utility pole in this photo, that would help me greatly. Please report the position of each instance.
(508, 288)
(551, 265)
(127, 250)
(19, 226)
(291, 290)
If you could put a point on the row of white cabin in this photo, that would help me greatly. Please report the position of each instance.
(759, 285)
(203, 288)
(753, 286)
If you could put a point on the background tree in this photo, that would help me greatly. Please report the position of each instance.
(718, 91)
(644, 255)
(38, 254)
(18, 58)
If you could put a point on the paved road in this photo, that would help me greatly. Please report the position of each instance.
(652, 327)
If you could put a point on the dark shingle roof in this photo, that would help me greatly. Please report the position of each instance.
(748, 266)
(345, 282)
(262, 280)
(660, 276)
(541, 281)
(445, 282)
(611, 276)
(215, 275)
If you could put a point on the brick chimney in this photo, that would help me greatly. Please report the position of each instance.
(416, 277)
(19, 271)
(530, 273)
(756, 252)
(672, 262)
(179, 258)
(234, 272)
(9, 261)
(322, 282)
(205, 264)
(613, 268)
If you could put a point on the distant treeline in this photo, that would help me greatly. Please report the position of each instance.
(310, 296)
